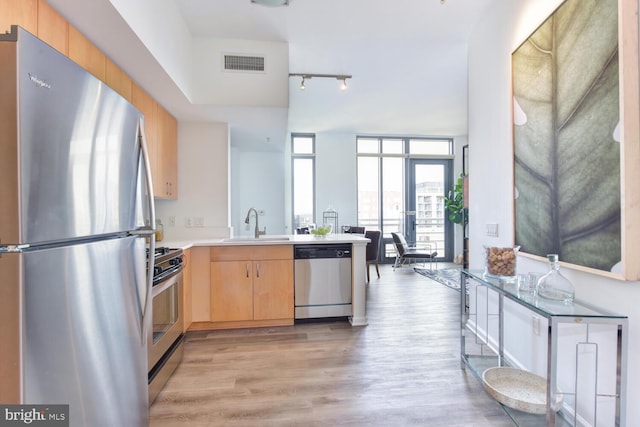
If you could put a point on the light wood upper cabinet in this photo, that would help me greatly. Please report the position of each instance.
(149, 108)
(118, 80)
(167, 156)
(251, 283)
(19, 12)
(86, 54)
(53, 28)
(161, 130)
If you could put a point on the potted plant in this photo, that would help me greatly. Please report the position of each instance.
(454, 203)
(457, 213)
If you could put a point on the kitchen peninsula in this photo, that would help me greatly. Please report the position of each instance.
(243, 282)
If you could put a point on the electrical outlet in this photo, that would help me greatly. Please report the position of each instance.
(198, 221)
(492, 230)
(172, 221)
(535, 325)
(188, 222)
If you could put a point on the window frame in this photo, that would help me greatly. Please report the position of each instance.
(407, 156)
(306, 156)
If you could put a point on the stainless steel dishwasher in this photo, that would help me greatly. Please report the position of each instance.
(322, 280)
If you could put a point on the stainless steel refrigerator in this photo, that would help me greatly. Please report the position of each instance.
(75, 201)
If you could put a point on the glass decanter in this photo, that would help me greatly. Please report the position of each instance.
(553, 285)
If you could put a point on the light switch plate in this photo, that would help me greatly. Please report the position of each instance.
(535, 324)
(492, 230)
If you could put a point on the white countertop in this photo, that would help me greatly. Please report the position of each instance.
(290, 239)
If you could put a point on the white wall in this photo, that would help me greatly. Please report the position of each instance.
(164, 33)
(257, 181)
(218, 87)
(203, 183)
(336, 176)
(458, 233)
(491, 166)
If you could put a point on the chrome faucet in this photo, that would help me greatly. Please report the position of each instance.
(257, 232)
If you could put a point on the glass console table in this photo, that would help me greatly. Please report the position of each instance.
(480, 350)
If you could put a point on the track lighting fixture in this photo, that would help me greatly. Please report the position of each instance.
(271, 2)
(306, 76)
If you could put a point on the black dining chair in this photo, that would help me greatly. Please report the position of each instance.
(373, 249)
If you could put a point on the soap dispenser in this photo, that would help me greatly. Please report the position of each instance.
(159, 230)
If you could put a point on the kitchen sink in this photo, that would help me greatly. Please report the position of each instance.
(260, 239)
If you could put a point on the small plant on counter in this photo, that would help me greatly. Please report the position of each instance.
(321, 231)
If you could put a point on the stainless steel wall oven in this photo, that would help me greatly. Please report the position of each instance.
(165, 337)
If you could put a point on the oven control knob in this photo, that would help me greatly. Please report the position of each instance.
(175, 261)
(157, 270)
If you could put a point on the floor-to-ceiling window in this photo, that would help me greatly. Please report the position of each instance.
(401, 182)
(303, 179)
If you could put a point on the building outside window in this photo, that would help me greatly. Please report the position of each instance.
(303, 160)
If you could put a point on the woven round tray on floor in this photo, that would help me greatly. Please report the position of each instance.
(518, 389)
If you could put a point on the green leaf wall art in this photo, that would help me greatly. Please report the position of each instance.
(566, 136)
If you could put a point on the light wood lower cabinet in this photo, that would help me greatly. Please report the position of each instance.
(187, 313)
(251, 290)
(231, 291)
(249, 286)
(273, 290)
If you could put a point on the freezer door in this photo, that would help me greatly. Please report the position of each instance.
(78, 149)
(82, 342)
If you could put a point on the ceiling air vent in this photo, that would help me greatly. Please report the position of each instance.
(244, 63)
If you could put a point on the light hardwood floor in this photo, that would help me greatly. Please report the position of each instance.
(403, 369)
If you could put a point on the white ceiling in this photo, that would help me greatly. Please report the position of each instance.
(408, 59)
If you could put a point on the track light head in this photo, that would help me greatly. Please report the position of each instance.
(305, 76)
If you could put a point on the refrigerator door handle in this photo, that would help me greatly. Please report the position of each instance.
(147, 232)
(12, 249)
(142, 232)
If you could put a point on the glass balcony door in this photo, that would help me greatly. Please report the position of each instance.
(425, 224)
(401, 182)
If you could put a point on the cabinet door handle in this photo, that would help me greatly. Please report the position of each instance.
(257, 270)
(247, 268)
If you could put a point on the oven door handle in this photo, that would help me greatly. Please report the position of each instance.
(163, 286)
